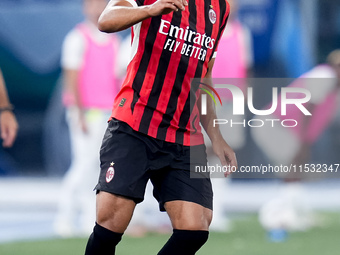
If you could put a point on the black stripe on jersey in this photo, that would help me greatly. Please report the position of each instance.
(177, 88)
(223, 10)
(159, 80)
(140, 2)
(191, 100)
(144, 63)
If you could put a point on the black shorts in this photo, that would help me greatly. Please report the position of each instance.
(129, 159)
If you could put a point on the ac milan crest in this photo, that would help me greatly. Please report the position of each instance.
(110, 173)
(212, 16)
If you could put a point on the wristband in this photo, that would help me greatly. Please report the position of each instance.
(7, 108)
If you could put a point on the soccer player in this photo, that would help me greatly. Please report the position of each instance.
(323, 82)
(8, 122)
(154, 125)
(292, 146)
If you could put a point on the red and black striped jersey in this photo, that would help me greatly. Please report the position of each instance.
(157, 97)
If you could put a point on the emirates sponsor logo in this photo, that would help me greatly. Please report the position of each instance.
(188, 42)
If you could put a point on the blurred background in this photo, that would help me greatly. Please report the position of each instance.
(288, 37)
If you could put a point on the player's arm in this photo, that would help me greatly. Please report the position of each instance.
(121, 14)
(8, 122)
(220, 146)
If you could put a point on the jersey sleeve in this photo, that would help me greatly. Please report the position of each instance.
(136, 3)
(222, 28)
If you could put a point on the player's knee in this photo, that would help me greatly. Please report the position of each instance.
(103, 219)
(111, 221)
(200, 222)
(208, 219)
(114, 212)
(192, 226)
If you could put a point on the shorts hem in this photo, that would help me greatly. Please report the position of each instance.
(162, 209)
(137, 200)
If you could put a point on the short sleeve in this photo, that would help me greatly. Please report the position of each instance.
(136, 3)
(222, 28)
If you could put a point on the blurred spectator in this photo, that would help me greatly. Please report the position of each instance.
(8, 122)
(235, 53)
(90, 78)
(295, 143)
(285, 146)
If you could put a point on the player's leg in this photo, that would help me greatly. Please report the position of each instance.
(123, 173)
(188, 202)
(114, 212)
(113, 216)
(188, 215)
(191, 223)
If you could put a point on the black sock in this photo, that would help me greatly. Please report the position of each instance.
(184, 242)
(102, 241)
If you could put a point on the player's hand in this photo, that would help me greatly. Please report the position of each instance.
(161, 7)
(9, 128)
(226, 154)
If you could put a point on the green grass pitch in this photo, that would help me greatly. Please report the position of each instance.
(247, 238)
